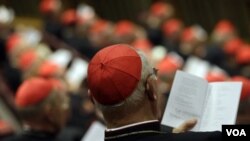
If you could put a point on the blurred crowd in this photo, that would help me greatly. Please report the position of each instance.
(71, 37)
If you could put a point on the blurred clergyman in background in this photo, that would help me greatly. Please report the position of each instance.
(43, 107)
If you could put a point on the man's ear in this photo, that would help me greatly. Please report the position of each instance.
(90, 96)
(151, 91)
(151, 88)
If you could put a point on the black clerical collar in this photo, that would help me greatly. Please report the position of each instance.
(143, 128)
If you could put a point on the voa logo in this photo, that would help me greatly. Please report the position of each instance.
(236, 132)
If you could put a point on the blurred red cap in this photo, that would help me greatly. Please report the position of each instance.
(5, 127)
(32, 92)
(232, 46)
(2, 123)
(243, 54)
(48, 69)
(142, 44)
(48, 6)
(245, 93)
(224, 26)
(26, 59)
(12, 42)
(99, 26)
(124, 28)
(168, 65)
(188, 35)
(159, 9)
(69, 17)
(215, 77)
(114, 73)
(171, 27)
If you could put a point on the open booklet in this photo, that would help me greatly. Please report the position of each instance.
(212, 104)
(95, 132)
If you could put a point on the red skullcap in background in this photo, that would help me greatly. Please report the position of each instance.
(32, 92)
(5, 127)
(169, 65)
(243, 54)
(160, 9)
(216, 77)
(142, 44)
(99, 26)
(171, 27)
(124, 28)
(187, 35)
(27, 59)
(224, 26)
(114, 73)
(245, 93)
(232, 46)
(12, 42)
(48, 69)
(48, 6)
(69, 17)
(194, 33)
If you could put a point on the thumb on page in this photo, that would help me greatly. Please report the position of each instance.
(186, 126)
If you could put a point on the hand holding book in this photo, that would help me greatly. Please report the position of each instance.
(213, 104)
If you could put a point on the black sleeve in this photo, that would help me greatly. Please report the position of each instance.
(199, 136)
(166, 129)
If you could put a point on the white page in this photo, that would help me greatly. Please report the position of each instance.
(196, 67)
(222, 106)
(186, 100)
(61, 57)
(77, 73)
(95, 132)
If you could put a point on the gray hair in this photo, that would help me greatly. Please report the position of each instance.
(136, 98)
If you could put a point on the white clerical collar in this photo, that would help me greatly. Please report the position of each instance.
(130, 125)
